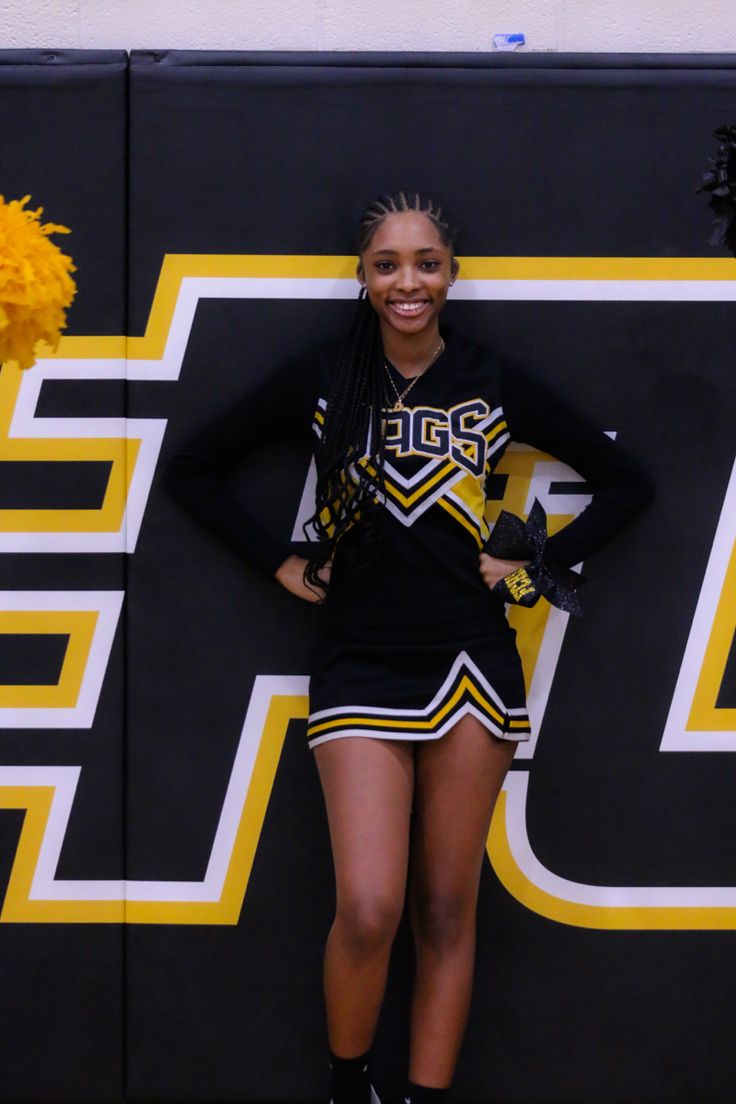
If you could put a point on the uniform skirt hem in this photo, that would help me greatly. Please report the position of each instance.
(465, 690)
(501, 734)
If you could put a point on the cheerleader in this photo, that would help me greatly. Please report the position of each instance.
(417, 697)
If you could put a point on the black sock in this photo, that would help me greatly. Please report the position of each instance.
(351, 1079)
(422, 1094)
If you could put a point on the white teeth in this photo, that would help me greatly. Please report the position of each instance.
(408, 308)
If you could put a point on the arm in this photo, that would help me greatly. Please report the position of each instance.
(621, 488)
(197, 475)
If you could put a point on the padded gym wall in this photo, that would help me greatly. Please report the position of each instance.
(63, 140)
(573, 182)
(607, 906)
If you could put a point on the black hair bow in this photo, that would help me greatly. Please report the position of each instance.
(513, 539)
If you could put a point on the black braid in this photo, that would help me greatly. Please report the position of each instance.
(403, 201)
(347, 493)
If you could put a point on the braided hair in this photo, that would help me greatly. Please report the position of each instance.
(348, 491)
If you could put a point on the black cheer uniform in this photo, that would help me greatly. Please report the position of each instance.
(416, 639)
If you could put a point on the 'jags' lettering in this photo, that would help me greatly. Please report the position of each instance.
(519, 584)
(429, 431)
(468, 443)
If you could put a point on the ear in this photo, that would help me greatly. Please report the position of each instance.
(454, 270)
(360, 274)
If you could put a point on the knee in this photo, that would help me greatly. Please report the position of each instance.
(368, 923)
(443, 921)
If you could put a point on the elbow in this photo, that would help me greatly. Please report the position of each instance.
(636, 489)
(192, 483)
(180, 475)
(634, 493)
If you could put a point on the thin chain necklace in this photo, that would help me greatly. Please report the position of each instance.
(400, 396)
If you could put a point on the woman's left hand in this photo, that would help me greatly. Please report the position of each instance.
(494, 570)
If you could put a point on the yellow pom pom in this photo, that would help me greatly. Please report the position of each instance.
(35, 282)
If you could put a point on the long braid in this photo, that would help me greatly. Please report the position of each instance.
(348, 492)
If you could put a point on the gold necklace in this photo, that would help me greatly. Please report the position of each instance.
(399, 403)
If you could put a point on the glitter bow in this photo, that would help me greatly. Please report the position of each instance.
(514, 539)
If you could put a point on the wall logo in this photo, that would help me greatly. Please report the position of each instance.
(90, 619)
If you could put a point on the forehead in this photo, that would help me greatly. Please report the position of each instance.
(406, 230)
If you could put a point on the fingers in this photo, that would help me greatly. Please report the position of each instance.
(493, 570)
(488, 574)
(325, 571)
(489, 570)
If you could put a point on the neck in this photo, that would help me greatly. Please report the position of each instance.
(410, 353)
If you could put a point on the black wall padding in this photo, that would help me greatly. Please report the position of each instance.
(63, 140)
(246, 154)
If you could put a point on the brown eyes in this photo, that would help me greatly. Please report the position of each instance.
(426, 266)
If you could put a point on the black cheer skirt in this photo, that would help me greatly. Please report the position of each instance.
(417, 689)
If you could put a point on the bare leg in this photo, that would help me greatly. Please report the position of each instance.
(458, 778)
(368, 787)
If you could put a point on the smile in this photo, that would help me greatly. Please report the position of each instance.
(408, 309)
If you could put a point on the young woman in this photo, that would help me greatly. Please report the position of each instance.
(417, 699)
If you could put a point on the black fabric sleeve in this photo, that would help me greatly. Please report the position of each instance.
(197, 476)
(621, 487)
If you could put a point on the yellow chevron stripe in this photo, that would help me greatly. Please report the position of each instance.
(370, 722)
(495, 430)
(409, 500)
(470, 491)
(464, 521)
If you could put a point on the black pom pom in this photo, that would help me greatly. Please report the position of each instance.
(720, 181)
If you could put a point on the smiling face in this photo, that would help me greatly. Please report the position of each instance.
(407, 269)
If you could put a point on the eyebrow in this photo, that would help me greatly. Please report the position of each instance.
(425, 249)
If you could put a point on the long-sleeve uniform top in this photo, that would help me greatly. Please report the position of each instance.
(440, 451)
(416, 638)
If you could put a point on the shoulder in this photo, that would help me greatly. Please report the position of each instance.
(484, 356)
(501, 379)
(299, 379)
(462, 348)
(475, 366)
(315, 364)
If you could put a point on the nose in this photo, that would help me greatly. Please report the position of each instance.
(406, 279)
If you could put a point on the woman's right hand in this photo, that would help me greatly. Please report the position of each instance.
(291, 576)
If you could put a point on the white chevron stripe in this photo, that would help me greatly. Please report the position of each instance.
(462, 660)
(409, 517)
(467, 708)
